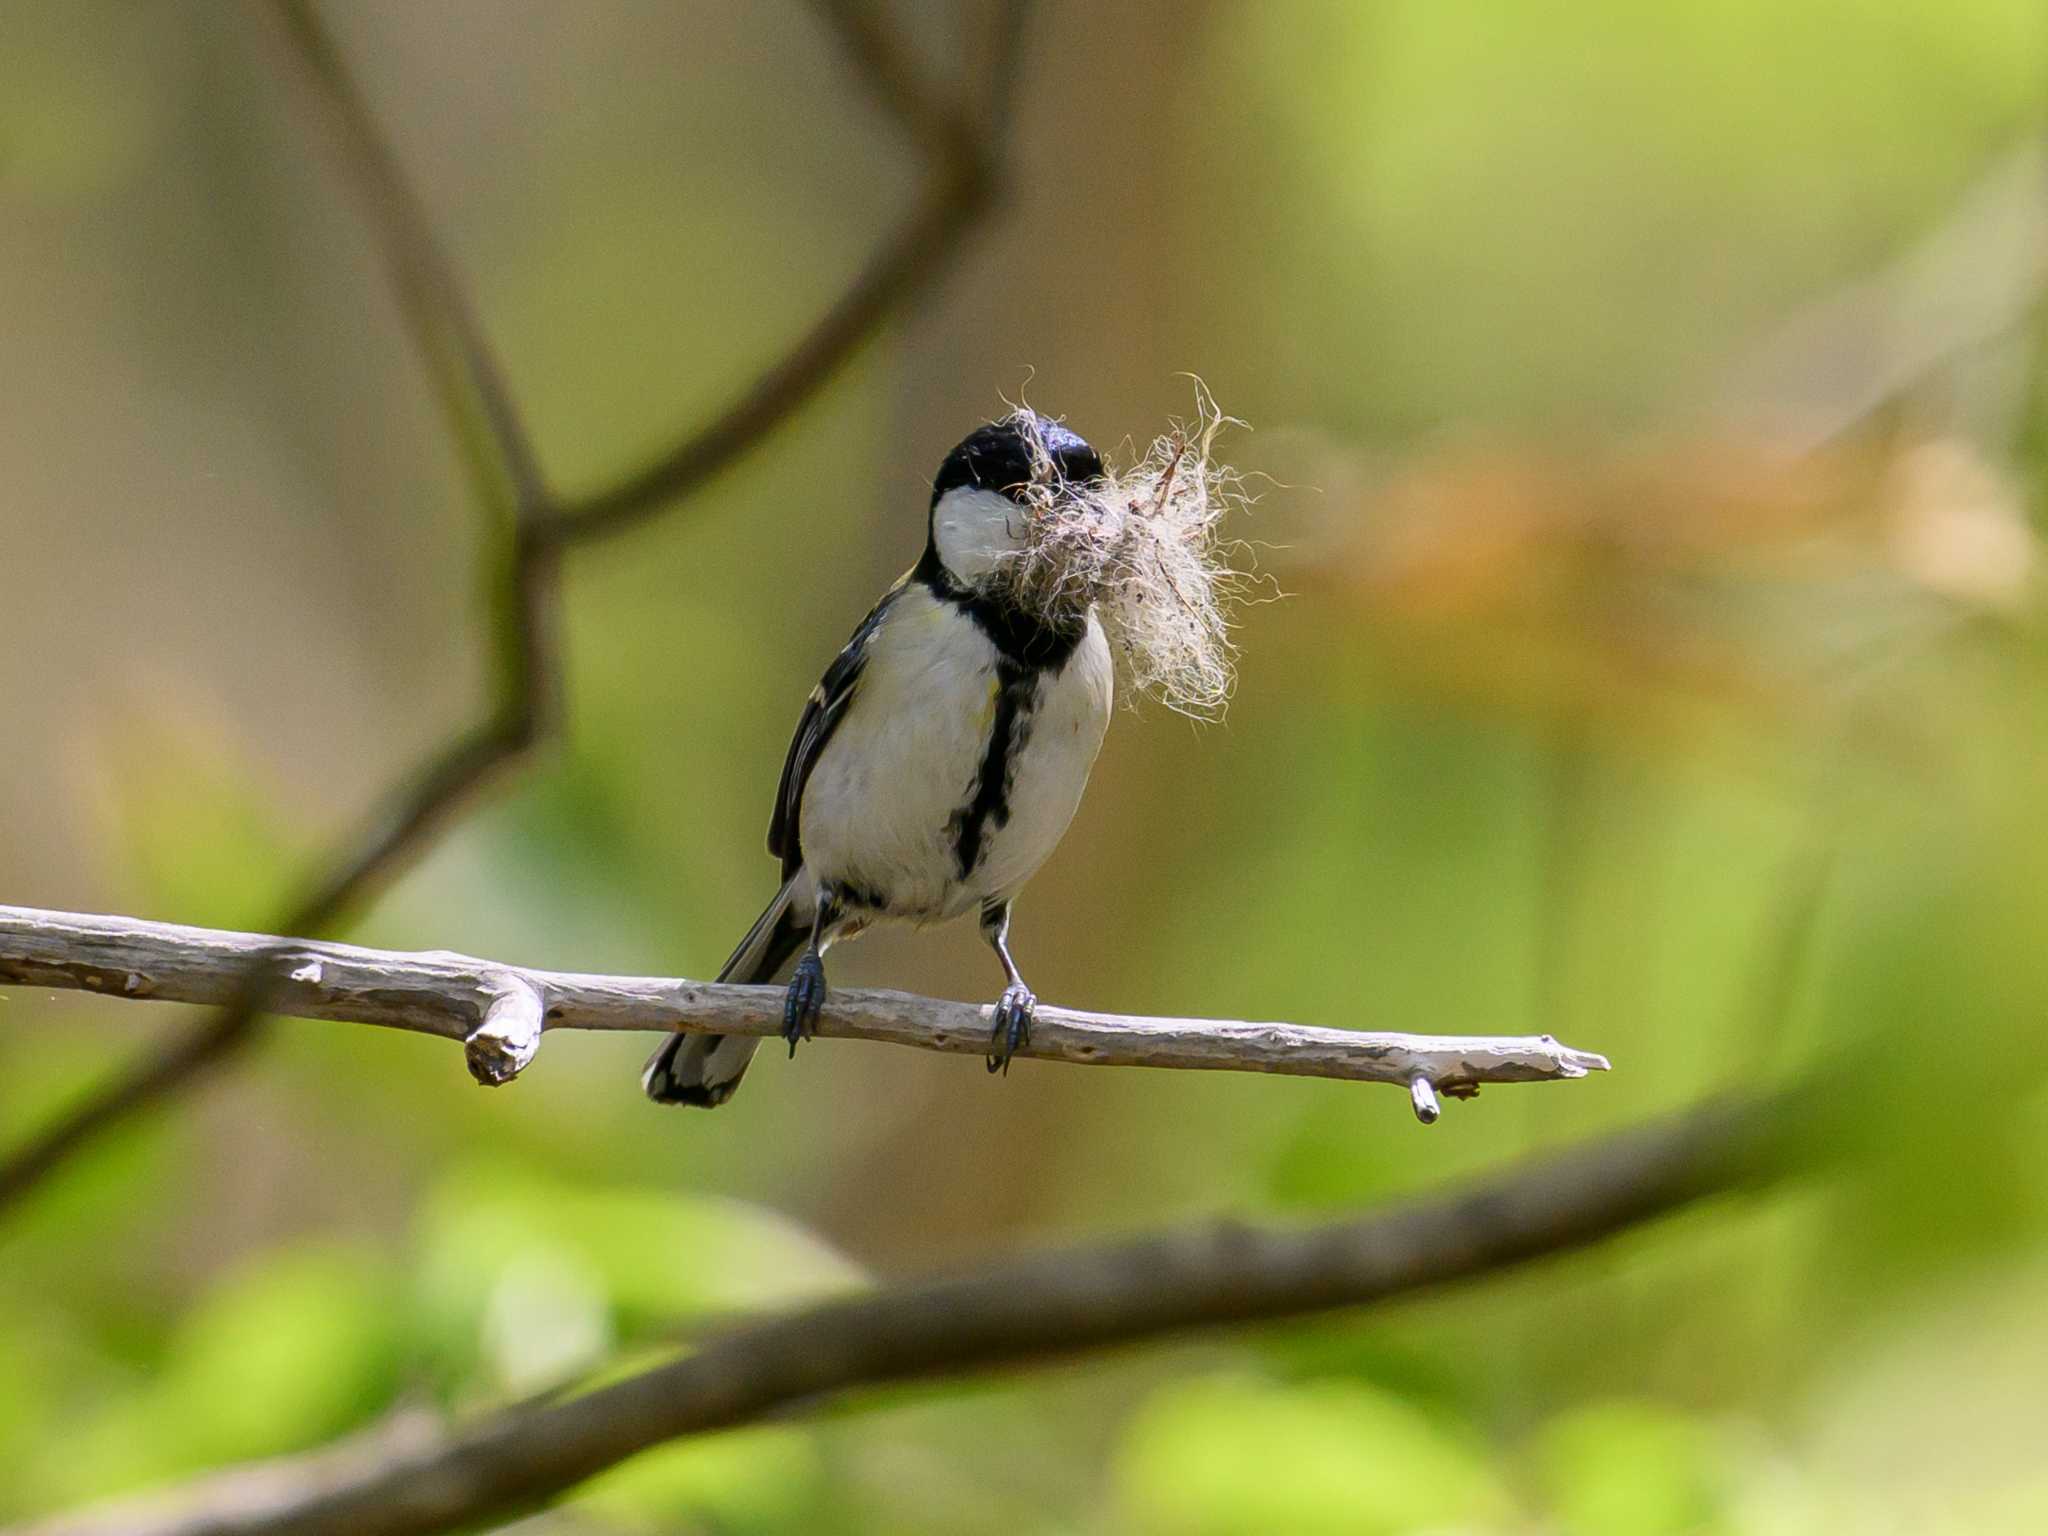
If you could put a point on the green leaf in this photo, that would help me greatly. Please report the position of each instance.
(525, 1281)
(285, 1354)
(758, 1479)
(1631, 1469)
(97, 1191)
(1235, 1456)
(45, 1356)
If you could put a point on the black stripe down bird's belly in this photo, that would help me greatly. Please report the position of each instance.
(956, 766)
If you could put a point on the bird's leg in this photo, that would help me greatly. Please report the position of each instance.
(1014, 1013)
(806, 994)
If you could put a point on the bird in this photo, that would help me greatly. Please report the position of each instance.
(940, 760)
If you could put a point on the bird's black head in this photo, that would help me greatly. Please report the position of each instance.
(1006, 456)
(987, 495)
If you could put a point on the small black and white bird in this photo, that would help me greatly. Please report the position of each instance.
(937, 764)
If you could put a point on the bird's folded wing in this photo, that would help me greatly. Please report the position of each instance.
(822, 713)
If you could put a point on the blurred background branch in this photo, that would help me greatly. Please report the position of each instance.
(963, 155)
(1915, 335)
(498, 1010)
(1030, 1311)
(531, 524)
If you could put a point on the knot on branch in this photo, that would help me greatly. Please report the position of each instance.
(500, 1047)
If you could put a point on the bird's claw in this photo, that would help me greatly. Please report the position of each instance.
(802, 1002)
(1012, 1027)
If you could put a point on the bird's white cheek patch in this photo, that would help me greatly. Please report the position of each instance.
(975, 528)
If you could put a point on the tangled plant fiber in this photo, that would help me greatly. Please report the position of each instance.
(1144, 546)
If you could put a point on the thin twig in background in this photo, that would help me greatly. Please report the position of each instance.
(417, 1478)
(499, 1010)
(509, 486)
(428, 286)
(964, 180)
(1868, 346)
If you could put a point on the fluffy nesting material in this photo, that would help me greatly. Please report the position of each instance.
(1144, 545)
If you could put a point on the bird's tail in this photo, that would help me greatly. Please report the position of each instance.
(703, 1070)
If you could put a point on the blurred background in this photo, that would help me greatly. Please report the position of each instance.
(1655, 405)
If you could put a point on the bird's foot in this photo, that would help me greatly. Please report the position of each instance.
(802, 1002)
(1012, 1026)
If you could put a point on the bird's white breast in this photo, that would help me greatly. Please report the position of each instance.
(878, 811)
(1070, 713)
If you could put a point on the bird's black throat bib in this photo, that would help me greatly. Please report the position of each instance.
(1026, 639)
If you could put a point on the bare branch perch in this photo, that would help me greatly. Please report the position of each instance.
(414, 1480)
(499, 1010)
(501, 1046)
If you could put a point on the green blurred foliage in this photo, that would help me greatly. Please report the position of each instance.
(1582, 714)
(536, 1280)
(1225, 1457)
(768, 1479)
(189, 826)
(1630, 1469)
